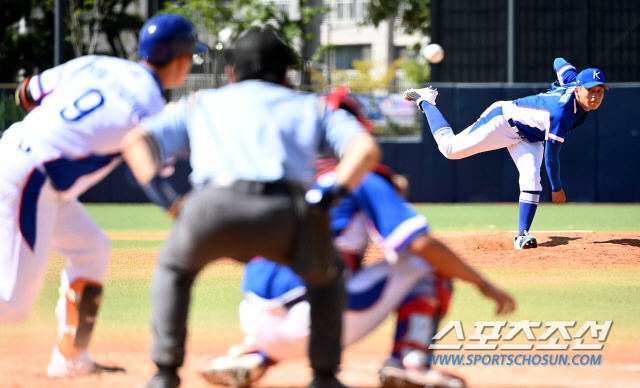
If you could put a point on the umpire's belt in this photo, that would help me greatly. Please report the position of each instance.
(252, 187)
(513, 125)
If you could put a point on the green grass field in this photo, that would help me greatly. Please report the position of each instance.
(449, 217)
(544, 295)
(549, 216)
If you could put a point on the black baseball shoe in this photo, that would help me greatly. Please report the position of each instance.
(326, 380)
(165, 378)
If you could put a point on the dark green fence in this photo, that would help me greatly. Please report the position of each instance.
(588, 33)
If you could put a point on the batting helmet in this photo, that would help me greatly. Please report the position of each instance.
(167, 36)
(340, 98)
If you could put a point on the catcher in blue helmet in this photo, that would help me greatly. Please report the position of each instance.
(70, 139)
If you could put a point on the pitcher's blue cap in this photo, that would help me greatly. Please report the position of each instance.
(590, 78)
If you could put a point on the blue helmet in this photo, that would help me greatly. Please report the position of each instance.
(167, 36)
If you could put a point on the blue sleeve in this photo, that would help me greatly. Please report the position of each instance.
(268, 280)
(396, 221)
(342, 213)
(552, 161)
(339, 126)
(561, 121)
(566, 72)
(169, 128)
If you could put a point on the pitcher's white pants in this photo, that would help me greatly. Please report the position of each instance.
(494, 134)
(284, 334)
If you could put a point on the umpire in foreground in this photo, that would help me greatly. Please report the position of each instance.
(251, 145)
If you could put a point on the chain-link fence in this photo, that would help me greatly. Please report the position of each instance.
(479, 43)
(393, 117)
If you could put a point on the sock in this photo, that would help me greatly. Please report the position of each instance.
(436, 120)
(528, 205)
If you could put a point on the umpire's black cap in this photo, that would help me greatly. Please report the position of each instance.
(259, 53)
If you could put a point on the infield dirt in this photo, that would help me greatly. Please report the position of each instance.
(24, 365)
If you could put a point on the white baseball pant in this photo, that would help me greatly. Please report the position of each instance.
(494, 134)
(284, 333)
(63, 226)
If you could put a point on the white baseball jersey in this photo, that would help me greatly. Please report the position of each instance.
(61, 148)
(86, 107)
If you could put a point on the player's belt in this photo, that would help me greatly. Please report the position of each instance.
(513, 125)
(251, 187)
(295, 301)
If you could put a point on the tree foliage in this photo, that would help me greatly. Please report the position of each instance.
(237, 16)
(365, 80)
(31, 48)
(89, 19)
(416, 71)
(415, 15)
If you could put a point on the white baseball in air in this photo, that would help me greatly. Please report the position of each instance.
(434, 53)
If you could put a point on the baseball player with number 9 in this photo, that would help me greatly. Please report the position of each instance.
(70, 140)
(523, 126)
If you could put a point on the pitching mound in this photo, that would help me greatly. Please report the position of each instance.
(555, 249)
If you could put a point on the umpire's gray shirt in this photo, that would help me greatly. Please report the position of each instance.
(252, 130)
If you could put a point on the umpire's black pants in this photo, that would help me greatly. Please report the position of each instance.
(244, 220)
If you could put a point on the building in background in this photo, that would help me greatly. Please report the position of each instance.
(343, 27)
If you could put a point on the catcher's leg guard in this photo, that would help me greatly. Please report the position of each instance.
(419, 315)
(81, 303)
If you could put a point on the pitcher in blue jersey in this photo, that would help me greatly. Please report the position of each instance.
(523, 126)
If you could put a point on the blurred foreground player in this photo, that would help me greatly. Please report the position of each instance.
(251, 146)
(70, 140)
